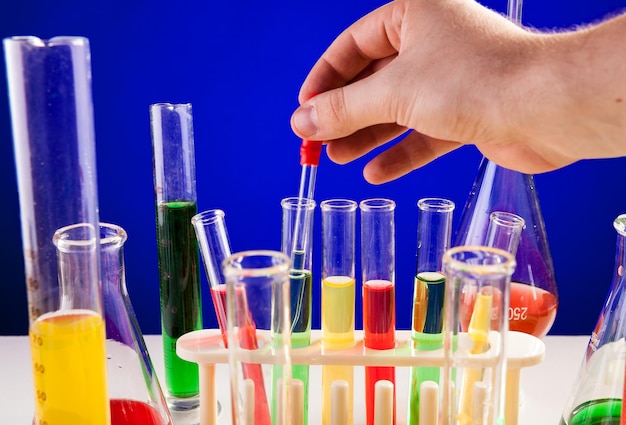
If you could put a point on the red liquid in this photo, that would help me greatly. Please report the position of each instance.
(531, 310)
(247, 340)
(379, 323)
(132, 412)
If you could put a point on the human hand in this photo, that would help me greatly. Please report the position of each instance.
(450, 72)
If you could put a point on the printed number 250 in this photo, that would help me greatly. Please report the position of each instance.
(518, 313)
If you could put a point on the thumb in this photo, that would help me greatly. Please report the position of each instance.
(342, 111)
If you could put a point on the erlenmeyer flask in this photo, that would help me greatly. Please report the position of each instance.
(134, 391)
(596, 399)
(534, 296)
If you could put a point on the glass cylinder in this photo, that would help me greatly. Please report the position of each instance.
(477, 294)
(338, 296)
(179, 274)
(67, 345)
(378, 275)
(504, 231)
(434, 230)
(596, 397)
(259, 331)
(499, 189)
(49, 85)
(134, 390)
(297, 243)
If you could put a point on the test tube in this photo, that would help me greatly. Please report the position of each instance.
(258, 320)
(179, 274)
(379, 312)
(504, 231)
(338, 296)
(212, 235)
(477, 289)
(49, 85)
(434, 230)
(297, 242)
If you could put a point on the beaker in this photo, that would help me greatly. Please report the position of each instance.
(259, 331)
(297, 242)
(379, 304)
(533, 283)
(179, 273)
(338, 296)
(596, 397)
(134, 391)
(477, 285)
(434, 230)
(49, 85)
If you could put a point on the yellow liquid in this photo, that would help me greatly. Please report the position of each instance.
(338, 312)
(69, 368)
(337, 333)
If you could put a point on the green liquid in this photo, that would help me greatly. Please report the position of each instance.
(181, 305)
(606, 411)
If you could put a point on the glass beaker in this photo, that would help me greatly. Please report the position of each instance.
(179, 273)
(596, 397)
(434, 230)
(297, 242)
(477, 285)
(134, 391)
(533, 284)
(338, 296)
(259, 331)
(379, 304)
(49, 85)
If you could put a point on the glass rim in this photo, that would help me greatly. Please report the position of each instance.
(170, 106)
(343, 204)
(62, 40)
(619, 224)
(282, 265)
(383, 204)
(503, 268)
(208, 216)
(436, 204)
(507, 219)
(293, 202)
(74, 236)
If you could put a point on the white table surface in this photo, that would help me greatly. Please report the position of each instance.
(544, 388)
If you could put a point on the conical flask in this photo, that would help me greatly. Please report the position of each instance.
(596, 398)
(534, 295)
(134, 391)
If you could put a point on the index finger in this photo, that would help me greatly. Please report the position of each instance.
(374, 36)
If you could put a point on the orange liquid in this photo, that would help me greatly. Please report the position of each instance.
(531, 310)
(69, 368)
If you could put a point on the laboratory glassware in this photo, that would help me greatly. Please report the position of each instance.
(133, 387)
(338, 297)
(477, 285)
(297, 242)
(533, 284)
(378, 276)
(259, 331)
(596, 397)
(49, 86)
(434, 230)
(179, 274)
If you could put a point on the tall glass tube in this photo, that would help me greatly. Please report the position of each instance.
(259, 322)
(434, 230)
(179, 274)
(49, 85)
(297, 242)
(477, 285)
(338, 295)
(597, 396)
(379, 309)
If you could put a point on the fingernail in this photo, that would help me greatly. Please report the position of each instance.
(305, 120)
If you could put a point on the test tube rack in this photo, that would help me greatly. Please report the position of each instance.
(205, 347)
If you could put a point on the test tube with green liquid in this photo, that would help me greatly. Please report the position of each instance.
(179, 274)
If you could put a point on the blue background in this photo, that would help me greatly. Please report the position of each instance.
(241, 64)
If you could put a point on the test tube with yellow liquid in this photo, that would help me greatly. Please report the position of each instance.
(49, 85)
(338, 295)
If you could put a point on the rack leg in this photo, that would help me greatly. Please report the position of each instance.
(208, 399)
(511, 409)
